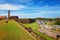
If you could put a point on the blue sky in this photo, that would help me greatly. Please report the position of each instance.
(31, 8)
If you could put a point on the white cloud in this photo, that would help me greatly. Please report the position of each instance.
(11, 7)
(24, 1)
(3, 14)
(49, 12)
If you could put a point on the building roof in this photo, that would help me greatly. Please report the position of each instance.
(1, 17)
(57, 26)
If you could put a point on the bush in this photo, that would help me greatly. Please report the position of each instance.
(6, 21)
(57, 22)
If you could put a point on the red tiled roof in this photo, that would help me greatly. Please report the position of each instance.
(2, 17)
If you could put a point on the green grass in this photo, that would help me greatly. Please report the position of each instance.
(10, 31)
(35, 26)
(44, 36)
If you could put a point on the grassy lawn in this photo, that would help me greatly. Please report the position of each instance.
(10, 31)
(35, 26)
(44, 36)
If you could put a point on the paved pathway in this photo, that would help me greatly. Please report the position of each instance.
(46, 30)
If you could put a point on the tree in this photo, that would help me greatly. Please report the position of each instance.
(57, 22)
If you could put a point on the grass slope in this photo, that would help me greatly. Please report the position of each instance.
(10, 31)
(35, 26)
